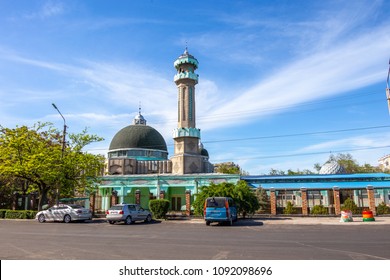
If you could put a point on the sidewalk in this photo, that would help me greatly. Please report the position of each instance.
(283, 220)
(324, 221)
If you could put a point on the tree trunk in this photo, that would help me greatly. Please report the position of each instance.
(42, 198)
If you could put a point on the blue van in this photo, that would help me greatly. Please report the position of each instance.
(220, 209)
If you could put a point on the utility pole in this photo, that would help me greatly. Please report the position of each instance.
(387, 88)
(63, 147)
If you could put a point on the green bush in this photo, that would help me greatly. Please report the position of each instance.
(2, 213)
(349, 204)
(159, 208)
(319, 210)
(383, 209)
(289, 209)
(31, 214)
(18, 214)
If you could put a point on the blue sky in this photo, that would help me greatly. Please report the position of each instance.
(282, 84)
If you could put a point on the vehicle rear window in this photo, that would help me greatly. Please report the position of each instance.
(215, 202)
(76, 206)
(119, 207)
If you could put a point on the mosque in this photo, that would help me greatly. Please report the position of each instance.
(138, 165)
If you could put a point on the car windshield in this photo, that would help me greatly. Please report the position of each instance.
(116, 207)
(216, 202)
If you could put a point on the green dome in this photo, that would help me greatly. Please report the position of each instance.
(138, 137)
(204, 153)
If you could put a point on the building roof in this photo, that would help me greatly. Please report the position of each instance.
(320, 181)
(138, 136)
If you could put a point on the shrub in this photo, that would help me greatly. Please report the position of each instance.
(2, 213)
(159, 208)
(319, 210)
(349, 204)
(16, 214)
(31, 214)
(383, 209)
(289, 209)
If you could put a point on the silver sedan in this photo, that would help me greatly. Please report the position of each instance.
(64, 213)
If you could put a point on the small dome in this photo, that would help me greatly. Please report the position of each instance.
(139, 119)
(204, 153)
(332, 168)
(186, 54)
(138, 136)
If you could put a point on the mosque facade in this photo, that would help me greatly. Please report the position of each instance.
(138, 167)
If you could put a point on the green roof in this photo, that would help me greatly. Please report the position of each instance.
(138, 136)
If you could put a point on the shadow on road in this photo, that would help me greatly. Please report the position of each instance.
(241, 223)
(104, 221)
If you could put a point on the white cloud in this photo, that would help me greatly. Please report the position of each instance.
(47, 10)
(348, 66)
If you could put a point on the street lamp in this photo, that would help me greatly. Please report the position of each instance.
(64, 131)
(63, 146)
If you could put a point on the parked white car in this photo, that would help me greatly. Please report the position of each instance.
(64, 213)
(128, 213)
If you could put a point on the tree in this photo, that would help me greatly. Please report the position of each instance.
(229, 168)
(263, 199)
(350, 164)
(290, 172)
(34, 154)
(241, 193)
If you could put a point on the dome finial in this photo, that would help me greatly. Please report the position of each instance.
(139, 119)
(186, 49)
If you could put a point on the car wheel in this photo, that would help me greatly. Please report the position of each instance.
(67, 219)
(148, 219)
(111, 222)
(128, 220)
(207, 223)
(41, 218)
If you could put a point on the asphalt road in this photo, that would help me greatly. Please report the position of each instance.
(183, 240)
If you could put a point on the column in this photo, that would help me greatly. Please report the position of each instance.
(305, 211)
(273, 201)
(92, 202)
(188, 203)
(336, 198)
(114, 197)
(138, 197)
(371, 199)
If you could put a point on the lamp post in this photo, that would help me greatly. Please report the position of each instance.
(63, 145)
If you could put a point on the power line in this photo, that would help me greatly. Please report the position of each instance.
(284, 135)
(309, 154)
(297, 134)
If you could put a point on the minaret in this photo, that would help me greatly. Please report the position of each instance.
(187, 155)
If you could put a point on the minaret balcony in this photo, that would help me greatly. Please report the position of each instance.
(184, 60)
(186, 132)
(186, 75)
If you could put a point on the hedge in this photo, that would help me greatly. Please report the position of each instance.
(17, 214)
(2, 213)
